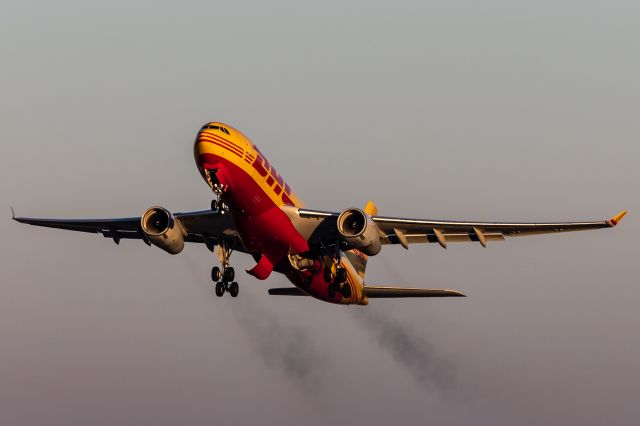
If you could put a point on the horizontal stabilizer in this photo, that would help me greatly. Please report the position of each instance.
(286, 291)
(390, 292)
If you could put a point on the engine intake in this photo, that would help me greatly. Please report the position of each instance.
(162, 230)
(360, 231)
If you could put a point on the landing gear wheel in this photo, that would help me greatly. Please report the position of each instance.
(234, 289)
(215, 274)
(327, 274)
(214, 205)
(229, 274)
(220, 289)
(332, 290)
(346, 290)
(341, 275)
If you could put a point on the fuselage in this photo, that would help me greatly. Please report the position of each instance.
(261, 204)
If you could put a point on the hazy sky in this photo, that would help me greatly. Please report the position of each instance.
(479, 110)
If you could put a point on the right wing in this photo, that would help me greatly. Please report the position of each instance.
(207, 226)
(404, 231)
(440, 231)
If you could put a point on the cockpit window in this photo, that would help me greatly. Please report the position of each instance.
(215, 127)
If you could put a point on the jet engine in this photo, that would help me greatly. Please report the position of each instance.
(360, 231)
(162, 230)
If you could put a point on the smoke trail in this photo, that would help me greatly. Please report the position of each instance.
(406, 346)
(284, 347)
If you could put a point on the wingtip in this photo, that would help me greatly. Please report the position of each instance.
(617, 218)
(13, 213)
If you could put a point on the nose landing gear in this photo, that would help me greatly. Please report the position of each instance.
(218, 189)
(218, 206)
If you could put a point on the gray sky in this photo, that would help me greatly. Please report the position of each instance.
(493, 110)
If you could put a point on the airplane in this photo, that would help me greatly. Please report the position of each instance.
(323, 254)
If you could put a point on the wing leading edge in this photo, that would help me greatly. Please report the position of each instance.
(205, 226)
(394, 230)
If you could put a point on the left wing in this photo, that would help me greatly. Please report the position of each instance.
(402, 231)
(205, 226)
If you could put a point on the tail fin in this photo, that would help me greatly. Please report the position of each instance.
(356, 257)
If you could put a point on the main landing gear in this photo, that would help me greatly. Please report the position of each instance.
(224, 277)
(339, 285)
(232, 288)
(224, 281)
(337, 280)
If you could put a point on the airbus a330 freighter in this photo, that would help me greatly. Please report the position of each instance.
(324, 254)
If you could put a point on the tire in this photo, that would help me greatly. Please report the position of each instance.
(346, 290)
(219, 289)
(341, 275)
(234, 289)
(228, 275)
(214, 205)
(215, 274)
(331, 292)
(327, 275)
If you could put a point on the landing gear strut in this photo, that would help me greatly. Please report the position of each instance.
(338, 282)
(224, 278)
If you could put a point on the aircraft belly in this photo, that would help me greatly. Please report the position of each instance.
(262, 226)
(312, 282)
(270, 230)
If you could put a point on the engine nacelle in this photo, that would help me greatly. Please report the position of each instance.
(162, 230)
(360, 231)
